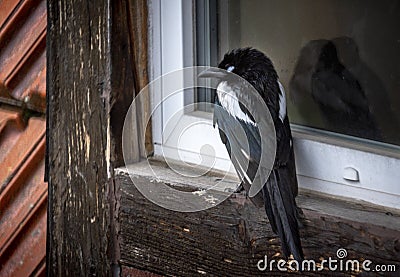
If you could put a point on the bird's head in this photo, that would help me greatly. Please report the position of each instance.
(249, 63)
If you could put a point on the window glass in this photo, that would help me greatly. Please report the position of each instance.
(338, 60)
(207, 46)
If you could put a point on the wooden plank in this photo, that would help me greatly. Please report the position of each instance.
(128, 76)
(91, 65)
(129, 60)
(123, 82)
(230, 239)
(78, 91)
(133, 272)
(138, 14)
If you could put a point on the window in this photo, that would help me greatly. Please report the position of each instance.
(338, 151)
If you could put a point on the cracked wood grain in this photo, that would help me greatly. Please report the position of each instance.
(229, 239)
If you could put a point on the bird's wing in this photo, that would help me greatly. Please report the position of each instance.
(242, 141)
(281, 190)
(285, 153)
(282, 211)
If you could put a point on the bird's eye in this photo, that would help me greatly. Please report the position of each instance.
(230, 68)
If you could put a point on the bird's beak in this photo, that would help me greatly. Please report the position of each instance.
(213, 73)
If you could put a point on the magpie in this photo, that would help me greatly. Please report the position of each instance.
(341, 98)
(279, 191)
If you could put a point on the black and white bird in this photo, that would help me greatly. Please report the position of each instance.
(278, 193)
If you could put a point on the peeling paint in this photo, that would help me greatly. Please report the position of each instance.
(87, 140)
(80, 174)
(199, 192)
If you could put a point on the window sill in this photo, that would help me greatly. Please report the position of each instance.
(370, 146)
(234, 235)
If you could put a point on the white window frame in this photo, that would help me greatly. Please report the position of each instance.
(326, 162)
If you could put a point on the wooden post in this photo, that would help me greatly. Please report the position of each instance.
(78, 83)
(91, 80)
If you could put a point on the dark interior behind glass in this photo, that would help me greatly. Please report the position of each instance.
(339, 61)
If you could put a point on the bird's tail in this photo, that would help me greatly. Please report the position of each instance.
(282, 212)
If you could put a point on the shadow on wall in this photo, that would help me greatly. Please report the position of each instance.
(331, 79)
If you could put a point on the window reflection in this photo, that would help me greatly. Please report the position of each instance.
(335, 90)
(339, 60)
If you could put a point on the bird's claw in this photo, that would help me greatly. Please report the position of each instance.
(240, 189)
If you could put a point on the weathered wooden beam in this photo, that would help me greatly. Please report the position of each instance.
(129, 75)
(230, 239)
(78, 87)
(96, 63)
(128, 58)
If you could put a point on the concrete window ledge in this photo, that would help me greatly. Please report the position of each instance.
(231, 238)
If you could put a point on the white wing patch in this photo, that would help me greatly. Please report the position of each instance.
(229, 101)
(243, 174)
(282, 102)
